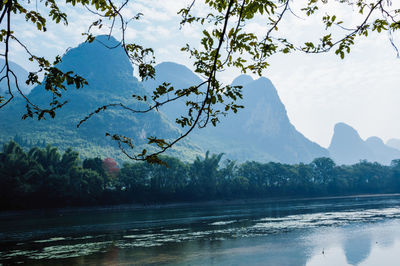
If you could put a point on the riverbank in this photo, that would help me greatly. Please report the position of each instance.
(220, 202)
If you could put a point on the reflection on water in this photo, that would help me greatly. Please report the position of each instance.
(373, 244)
(357, 248)
(362, 231)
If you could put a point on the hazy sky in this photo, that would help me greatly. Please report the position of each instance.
(318, 91)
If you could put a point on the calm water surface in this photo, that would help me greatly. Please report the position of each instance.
(352, 231)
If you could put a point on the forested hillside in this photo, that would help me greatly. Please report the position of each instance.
(110, 77)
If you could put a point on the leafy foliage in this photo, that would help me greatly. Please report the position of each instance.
(110, 166)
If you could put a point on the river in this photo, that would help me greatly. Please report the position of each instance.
(339, 231)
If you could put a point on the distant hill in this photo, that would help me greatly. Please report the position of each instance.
(111, 80)
(347, 147)
(394, 143)
(21, 74)
(261, 131)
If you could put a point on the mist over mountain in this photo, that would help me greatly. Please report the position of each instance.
(21, 75)
(394, 143)
(347, 147)
(261, 131)
(110, 77)
(264, 127)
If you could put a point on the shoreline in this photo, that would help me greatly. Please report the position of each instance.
(219, 202)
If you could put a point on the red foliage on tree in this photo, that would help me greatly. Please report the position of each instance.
(111, 167)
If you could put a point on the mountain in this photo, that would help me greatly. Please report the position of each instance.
(21, 75)
(261, 131)
(394, 143)
(110, 77)
(242, 80)
(382, 153)
(179, 77)
(347, 147)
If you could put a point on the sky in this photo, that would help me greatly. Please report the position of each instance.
(363, 90)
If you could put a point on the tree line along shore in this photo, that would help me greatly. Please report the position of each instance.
(47, 178)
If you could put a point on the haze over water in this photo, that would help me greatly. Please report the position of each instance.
(352, 231)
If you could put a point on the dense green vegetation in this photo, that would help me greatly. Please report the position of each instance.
(43, 177)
